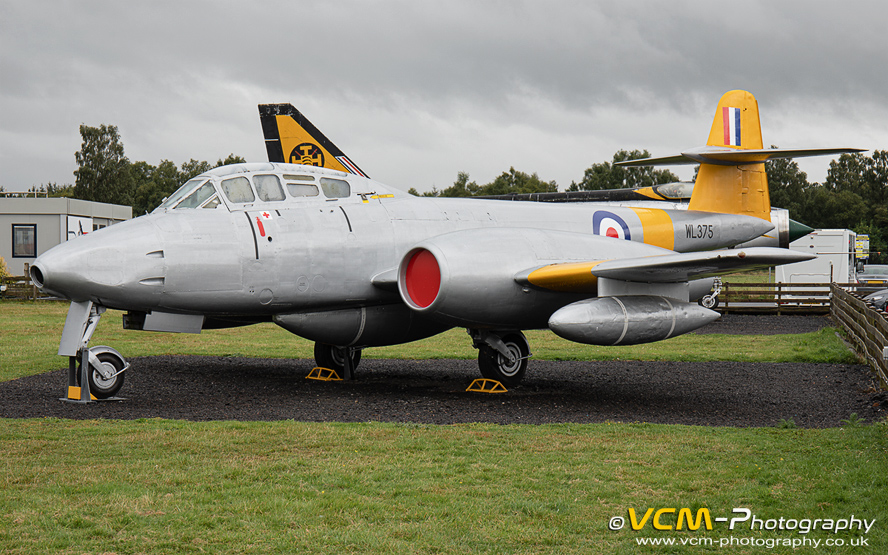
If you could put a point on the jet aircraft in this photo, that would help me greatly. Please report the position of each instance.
(350, 263)
(290, 136)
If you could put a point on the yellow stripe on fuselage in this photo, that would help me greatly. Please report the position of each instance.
(659, 230)
(570, 277)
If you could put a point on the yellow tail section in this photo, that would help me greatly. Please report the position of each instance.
(734, 189)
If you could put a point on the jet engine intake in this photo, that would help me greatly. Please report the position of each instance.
(467, 278)
(628, 320)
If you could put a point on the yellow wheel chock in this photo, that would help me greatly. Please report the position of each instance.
(323, 374)
(74, 394)
(483, 385)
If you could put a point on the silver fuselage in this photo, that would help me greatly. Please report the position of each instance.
(305, 254)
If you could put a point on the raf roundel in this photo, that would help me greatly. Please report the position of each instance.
(608, 224)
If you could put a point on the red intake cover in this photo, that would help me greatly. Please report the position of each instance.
(423, 278)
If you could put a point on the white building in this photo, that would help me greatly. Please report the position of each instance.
(31, 226)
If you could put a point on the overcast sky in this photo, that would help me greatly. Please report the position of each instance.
(415, 92)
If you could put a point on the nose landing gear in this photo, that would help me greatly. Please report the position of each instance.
(95, 373)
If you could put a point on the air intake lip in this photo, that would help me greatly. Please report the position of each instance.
(421, 279)
(37, 276)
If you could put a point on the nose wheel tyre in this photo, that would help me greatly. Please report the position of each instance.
(106, 380)
(507, 370)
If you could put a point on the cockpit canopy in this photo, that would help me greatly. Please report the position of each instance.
(240, 186)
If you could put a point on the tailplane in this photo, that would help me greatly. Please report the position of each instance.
(732, 176)
(291, 138)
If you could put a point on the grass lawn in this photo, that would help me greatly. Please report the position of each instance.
(31, 333)
(160, 486)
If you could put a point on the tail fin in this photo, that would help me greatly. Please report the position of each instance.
(736, 123)
(736, 189)
(732, 171)
(291, 138)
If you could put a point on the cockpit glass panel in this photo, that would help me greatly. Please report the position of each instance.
(212, 203)
(238, 190)
(675, 191)
(268, 187)
(198, 197)
(335, 188)
(182, 191)
(302, 189)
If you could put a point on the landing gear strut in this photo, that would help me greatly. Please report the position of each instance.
(342, 359)
(711, 300)
(502, 356)
(93, 372)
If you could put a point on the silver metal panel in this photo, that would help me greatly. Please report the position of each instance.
(177, 323)
(615, 288)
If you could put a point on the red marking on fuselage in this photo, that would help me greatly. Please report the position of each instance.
(260, 226)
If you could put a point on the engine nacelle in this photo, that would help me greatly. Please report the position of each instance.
(628, 320)
(467, 278)
(371, 326)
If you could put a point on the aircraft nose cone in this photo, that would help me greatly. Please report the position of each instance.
(98, 266)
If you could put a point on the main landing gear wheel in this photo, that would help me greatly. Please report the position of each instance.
(709, 301)
(106, 380)
(509, 371)
(330, 356)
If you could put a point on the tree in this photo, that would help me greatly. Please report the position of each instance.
(152, 184)
(512, 181)
(193, 168)
(518, 182)
(788, 186)
(607, 175)
(53, 190)
(860, 187)
(462, 187)
(230, 159)
(103, 170)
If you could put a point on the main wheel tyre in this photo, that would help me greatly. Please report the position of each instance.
(330, 356)
(101, 387)
(508, 371)
(709, 301)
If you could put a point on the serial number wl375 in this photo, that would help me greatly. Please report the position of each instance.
(699, 231)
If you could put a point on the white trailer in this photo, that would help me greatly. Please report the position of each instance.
(834, 263)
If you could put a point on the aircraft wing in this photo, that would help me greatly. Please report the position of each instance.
(733, 157)
(667, 268)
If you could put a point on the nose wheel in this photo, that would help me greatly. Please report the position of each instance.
(105, 374)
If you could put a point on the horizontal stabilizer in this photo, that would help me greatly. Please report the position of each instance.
(723, 156)
(668, 268)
